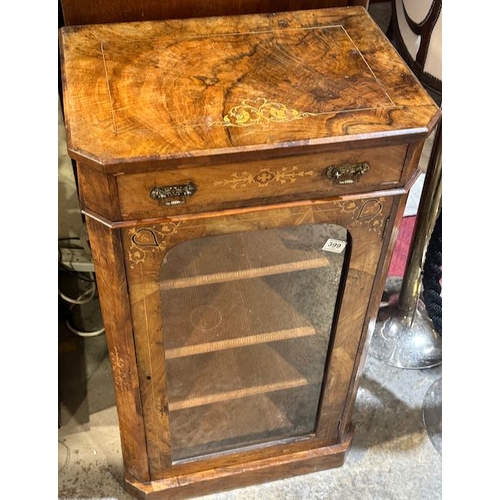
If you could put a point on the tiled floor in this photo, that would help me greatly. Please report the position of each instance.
(392, 456)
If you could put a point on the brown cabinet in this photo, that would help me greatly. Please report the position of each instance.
(243, 179)
(76, 12)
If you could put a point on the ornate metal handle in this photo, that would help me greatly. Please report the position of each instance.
(346, 174)
(172, 195)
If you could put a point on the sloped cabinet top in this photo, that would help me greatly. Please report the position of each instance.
(183, 90)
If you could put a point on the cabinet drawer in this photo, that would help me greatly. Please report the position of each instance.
(193, 189)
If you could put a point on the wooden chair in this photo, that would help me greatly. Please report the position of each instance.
(416, 32)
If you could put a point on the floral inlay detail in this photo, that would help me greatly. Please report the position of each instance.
(147, 239)
(119, 368)
(368, 212)
(264, 177)
(260, 111)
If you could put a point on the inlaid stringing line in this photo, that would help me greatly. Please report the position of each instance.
(369, 67)
(109, 90)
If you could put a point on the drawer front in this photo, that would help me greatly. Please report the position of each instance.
(196, 189)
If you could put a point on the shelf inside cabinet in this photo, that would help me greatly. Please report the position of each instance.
(249, 255)
(251, 306)
(220, 426)
(239, 373)
(239, 314)
(257, 272)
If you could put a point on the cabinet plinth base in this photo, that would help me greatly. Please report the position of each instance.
(241, 475)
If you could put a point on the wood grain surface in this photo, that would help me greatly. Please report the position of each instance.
(257, 182)
(237, 475)
(169, 90)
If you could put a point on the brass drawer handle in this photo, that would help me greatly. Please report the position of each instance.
(172, 195)
(346, 174)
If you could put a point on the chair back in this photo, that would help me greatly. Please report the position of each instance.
(416, 32)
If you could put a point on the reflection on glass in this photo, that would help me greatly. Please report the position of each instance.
(247, 320)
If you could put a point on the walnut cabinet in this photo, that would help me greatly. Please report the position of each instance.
(243, 180)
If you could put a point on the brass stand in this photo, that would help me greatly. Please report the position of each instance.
(404, 336)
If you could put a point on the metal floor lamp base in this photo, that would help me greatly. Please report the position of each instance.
(398, 341)
(404, 334)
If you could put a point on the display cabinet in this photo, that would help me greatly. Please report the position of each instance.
(243, 180)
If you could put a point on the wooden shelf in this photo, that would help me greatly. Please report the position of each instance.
(239, 373)
(220, 345)
(248, 255)
(238, 314)
(223, 425)
(222, 277)
(238, 394)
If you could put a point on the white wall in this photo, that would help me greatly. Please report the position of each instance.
(70, 220)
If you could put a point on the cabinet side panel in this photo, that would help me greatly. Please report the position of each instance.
(395, 212)
(368, 327)
(98, 192)
(366, 227)
(389, 241)
(114, 301)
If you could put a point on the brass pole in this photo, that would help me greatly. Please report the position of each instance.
(404, 335)
(427, 214)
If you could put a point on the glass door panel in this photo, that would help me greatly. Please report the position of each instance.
(247, 320)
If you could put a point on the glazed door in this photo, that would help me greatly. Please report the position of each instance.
(235, 318)
(247, 318)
